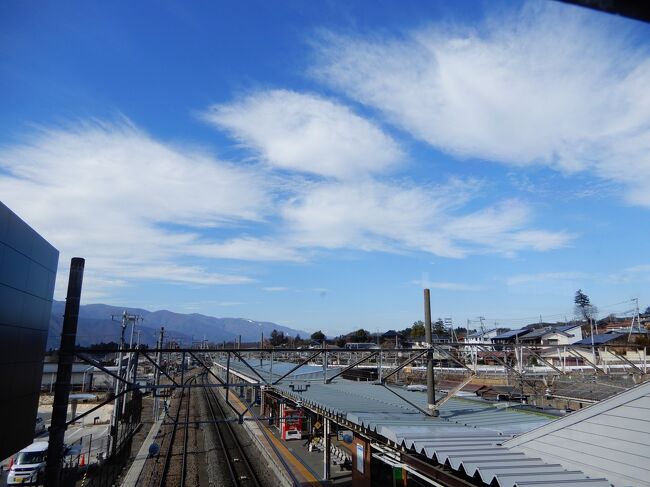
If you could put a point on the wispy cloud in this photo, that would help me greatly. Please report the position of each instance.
(250, 249)
(275, 289)
(446, 286)
(546, 277)
(376, 216)
(640, 272)
(548, 84)
(307, 133)
(133, 206)
(141, 209)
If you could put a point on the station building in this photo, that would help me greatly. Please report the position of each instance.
(28, 265)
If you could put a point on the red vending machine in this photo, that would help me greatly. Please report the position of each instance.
(292, 424)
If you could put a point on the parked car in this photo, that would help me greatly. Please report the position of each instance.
(29, 465)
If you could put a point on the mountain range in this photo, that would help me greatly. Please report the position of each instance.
(96, 324)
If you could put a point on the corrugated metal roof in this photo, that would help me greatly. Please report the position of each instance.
(610, 438)
(306, 372)
(467, 436)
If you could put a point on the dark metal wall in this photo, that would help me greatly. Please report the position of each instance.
(28, 266)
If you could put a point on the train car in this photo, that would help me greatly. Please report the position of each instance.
(292, 424)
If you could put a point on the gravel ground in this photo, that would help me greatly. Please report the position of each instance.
(216, 471)
(265, 472)
(153, 469)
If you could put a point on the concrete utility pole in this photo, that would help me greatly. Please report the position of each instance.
(261, 346)
(115, 418)
(63, 375)
(325, 362)
(431, 380)
(129, 363)
(159, 345)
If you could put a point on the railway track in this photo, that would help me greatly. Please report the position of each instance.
(238, 465)
(178, 478)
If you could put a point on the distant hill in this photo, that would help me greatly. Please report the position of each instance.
(95, 325)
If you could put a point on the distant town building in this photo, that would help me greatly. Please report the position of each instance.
(554, 335)
(512, 336)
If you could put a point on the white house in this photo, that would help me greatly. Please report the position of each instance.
(564, 335)
(481, 337)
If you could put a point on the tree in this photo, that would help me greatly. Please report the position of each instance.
(417, 330)
(318, 336)
(277, 338)
(647, 311)
(340, 341)
(360, 336)
(584, 309)
(439, 328)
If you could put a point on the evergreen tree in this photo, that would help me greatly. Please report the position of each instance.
(584, 309)
(277, 338)
(417, 330)
(318, 336)
(360, 336)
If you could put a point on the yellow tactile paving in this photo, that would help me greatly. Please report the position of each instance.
(303, 474)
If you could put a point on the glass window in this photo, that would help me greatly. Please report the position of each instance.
(26, 458)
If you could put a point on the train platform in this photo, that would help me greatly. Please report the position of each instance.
(133, 474)
(305, 467)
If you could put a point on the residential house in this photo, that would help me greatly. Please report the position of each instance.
(512, 336)
(563, 335)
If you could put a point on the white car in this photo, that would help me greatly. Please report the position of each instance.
(29, 465)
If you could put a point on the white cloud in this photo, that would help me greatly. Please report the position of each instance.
(549, 84)
(376, 216)
(251, 249)
(307, 133)
(134, 207)
(546, 277)
(637, 273)
(140, 209)
(447, 286)
(275, 289)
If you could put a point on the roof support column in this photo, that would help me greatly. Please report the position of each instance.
(327, 426)
(431, 380)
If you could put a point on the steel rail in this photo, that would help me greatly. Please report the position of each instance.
(170, 449)
(239, 458)
(186, 436)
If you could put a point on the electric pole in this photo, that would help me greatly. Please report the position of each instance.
(115, 418)
(159, 346)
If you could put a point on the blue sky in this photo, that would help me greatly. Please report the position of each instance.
(317, 163)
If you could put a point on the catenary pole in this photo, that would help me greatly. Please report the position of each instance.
(63, 375)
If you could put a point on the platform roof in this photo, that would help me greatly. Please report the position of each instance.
(273, 371)
(467, 436)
